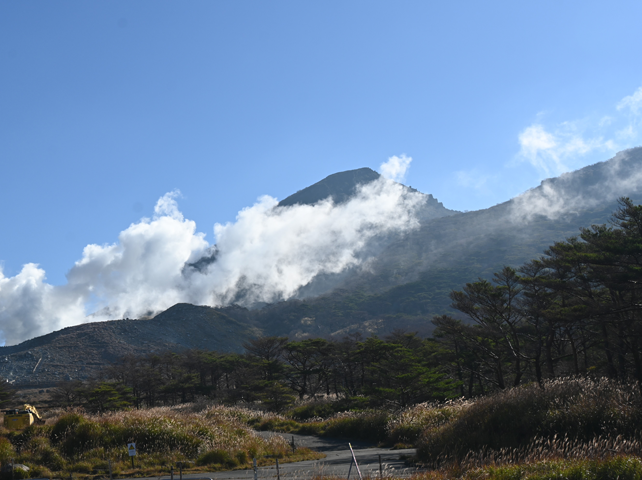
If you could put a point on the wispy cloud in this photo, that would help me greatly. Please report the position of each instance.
(553, 152)
(559, 148)
(633, 103)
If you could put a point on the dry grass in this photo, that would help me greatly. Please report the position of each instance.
(612, 468)
(579, 429)
(214, 438)
(566, 418)
(407, 426)
(370, 425)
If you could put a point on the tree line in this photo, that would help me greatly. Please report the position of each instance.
(400, 370)
(573, 311)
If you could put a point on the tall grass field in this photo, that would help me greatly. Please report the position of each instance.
(573, 428)
(215, 438)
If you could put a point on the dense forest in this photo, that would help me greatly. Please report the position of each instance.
(575, 310)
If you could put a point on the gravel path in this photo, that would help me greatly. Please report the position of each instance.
(337, 461)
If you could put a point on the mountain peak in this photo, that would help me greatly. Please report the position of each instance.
(340, 186)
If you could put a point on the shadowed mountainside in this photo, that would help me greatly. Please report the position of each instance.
(340, 186)
(80, 351)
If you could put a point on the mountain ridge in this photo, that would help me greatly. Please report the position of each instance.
(80, 351)
(407, 282)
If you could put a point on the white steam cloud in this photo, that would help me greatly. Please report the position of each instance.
(267, 254)
(570, 193)
(395, 168)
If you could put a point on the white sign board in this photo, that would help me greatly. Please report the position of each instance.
(131, 448)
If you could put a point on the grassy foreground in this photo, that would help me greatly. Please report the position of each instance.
(615, 468)
(575, 428)
(565, 429)
(215, 438)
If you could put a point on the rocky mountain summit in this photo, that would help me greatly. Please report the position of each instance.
(342, 186)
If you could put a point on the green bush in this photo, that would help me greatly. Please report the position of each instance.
(22, 438)
(7, 452)
(39, 471)
(220, 457)
(66, 424)
(277, 424)
(407, 426)
(313, 410)
(48, 457)
(82, 437)
(369, 425)
(241, 457)
(81, 467)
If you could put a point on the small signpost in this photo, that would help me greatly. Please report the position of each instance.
(131, 449)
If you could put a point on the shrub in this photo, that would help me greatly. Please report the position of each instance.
(579, 410)
(313, 410)
(7, 452)
(50, 458)
(242, 458)
(65, 424)
(17, 474)
(408, 426)
(39, 471)
(369, 425)
(617, 468)
(82, 467)
(319, 409)
(220, 457)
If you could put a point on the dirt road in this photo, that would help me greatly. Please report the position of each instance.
(337, 462)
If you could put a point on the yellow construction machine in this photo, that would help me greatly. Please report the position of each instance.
(17, 419)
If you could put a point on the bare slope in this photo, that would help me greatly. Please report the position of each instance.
(80, 351)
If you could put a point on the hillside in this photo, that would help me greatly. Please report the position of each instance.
(80, 351)
(411, 283)
(411, 278)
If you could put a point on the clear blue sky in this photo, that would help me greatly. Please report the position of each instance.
(105, 106)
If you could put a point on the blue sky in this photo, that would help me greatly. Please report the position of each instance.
(107, 106)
